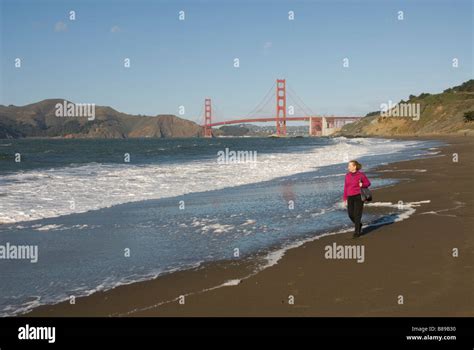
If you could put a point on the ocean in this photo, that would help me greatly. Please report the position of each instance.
(108, 212)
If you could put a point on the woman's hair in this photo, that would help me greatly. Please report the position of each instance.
(357, 164)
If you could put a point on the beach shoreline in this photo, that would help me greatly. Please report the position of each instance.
(412, 259)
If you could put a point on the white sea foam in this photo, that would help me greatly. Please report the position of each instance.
(55, 227)
(231, 283)
(402, 170)
(408, 207)
(249, 222)
(48, 227)
(217, 228)
(427, 154)
(38, 194)
(331, 175)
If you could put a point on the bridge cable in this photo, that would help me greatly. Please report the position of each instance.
(291, 98)
(258, 107)
(301, 100)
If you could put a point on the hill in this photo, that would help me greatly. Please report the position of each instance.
(449, 112)
(40, 120)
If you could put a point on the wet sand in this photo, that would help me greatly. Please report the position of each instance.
(412, 259)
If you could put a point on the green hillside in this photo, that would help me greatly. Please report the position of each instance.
(449, 112)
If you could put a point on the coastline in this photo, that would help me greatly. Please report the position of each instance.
(412, 258)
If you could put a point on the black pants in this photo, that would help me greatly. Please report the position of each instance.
(355, 206)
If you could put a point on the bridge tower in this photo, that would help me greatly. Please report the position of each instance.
(207, 118)
(281, 107)
(324, 127)
(315, 126)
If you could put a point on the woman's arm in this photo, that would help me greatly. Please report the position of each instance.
(365, 180)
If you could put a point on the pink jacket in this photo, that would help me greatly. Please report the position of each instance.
(351, 183)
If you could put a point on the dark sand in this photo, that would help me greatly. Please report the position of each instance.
(412, 258)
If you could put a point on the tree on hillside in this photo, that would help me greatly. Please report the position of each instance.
(469, 116)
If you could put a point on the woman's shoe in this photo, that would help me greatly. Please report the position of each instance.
(355, 235)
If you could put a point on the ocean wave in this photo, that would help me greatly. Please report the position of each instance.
(39, 194)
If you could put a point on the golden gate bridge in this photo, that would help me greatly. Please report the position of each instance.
(318, 125)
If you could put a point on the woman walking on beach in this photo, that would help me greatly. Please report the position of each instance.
(355, 179)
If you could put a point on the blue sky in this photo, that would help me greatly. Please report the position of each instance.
(176, 63)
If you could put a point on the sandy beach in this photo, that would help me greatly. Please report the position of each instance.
(412, 259)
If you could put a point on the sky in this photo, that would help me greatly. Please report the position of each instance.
(177, 63)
